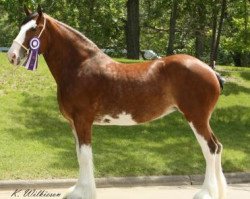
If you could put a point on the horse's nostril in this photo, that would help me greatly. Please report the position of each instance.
(13, 56)
(18, 61)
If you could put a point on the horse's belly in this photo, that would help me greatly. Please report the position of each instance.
(123, 119)
(126, 119)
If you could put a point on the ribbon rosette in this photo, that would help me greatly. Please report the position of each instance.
(32, 60)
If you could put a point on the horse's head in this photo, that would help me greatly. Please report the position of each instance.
(33, 26)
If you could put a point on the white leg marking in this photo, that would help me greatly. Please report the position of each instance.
(77, 144)
(210, 187)
(222, 183)
(85, 187)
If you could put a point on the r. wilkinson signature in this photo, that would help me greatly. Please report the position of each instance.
(34, 193)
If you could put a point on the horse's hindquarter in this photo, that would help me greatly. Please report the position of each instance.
(195, 86)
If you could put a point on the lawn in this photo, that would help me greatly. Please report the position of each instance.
(36, 142)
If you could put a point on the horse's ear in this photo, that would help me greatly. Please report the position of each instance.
(39, 10)
(26, 10)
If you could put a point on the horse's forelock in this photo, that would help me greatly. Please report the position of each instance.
(28, 18)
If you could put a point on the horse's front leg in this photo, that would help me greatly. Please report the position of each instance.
(85, 187)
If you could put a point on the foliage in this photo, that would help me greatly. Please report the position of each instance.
(104, 23)
(236, 39)
(36, 142)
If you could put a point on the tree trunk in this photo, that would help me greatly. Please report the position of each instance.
(172, 24)
(216, 38)
(91, 6)
(222, 16)
(213, 41)
(199, 47)
(245, 21)
(237, 58)
(199, 32)
(133, 29)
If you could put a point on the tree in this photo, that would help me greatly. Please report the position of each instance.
(172, 24)
(236, 39)
(217, 32)
(133, 29)
(191, 27)
(199, 33)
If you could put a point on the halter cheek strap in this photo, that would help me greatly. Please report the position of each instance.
(21, 45)
(44, 25)
(27, 49)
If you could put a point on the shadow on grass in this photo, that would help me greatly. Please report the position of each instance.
(166, 146)
(43, 123)
(234, 88)
(226, 74)
(245, 75)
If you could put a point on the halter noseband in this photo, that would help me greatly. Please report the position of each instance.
(27, 49)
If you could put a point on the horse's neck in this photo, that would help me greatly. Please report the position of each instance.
(66, 50)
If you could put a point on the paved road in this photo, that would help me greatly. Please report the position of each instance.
(237, 191)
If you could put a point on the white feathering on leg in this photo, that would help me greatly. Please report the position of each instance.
(222, 183)
(85, 187)
(210, 186)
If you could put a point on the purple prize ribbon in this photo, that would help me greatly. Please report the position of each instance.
(32, 60)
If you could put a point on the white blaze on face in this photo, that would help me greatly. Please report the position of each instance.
(14, 54)
(21, 36)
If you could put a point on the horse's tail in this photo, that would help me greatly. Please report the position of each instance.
(220, 79)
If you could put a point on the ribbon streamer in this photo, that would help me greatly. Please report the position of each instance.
(32, 60)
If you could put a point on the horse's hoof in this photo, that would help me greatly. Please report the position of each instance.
(79, 193)
(205, 194)
(72, 193)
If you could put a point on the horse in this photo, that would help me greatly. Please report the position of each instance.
(92, 88)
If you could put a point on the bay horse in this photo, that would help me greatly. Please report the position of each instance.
(94, 89)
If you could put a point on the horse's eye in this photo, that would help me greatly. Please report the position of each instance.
(33, 29)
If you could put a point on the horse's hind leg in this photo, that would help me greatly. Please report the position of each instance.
(221, 180)
(214, 185)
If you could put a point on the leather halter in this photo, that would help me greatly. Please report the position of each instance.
(27, 49)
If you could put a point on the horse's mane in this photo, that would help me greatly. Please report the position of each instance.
(77, 33)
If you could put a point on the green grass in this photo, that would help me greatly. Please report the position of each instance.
(36, 142)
